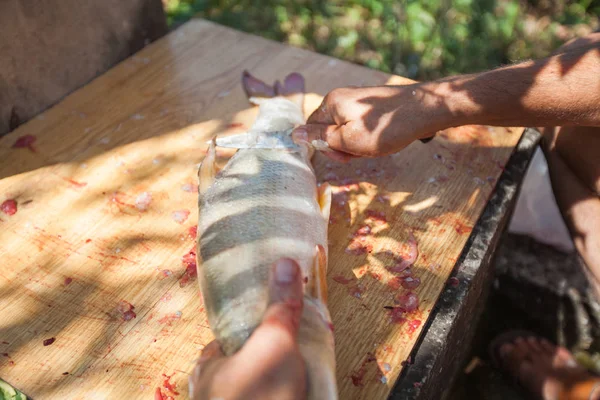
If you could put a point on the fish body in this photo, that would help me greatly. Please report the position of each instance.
(265, 205)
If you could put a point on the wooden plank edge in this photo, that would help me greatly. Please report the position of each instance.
(435, 359)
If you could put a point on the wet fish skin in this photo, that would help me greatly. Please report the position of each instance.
(265, 205)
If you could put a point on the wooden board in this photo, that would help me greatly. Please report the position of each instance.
(78, 245)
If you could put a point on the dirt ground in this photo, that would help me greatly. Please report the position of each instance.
(539, 289)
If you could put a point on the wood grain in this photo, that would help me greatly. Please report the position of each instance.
(78, 245)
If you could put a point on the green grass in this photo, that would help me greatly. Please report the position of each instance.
(423, 39)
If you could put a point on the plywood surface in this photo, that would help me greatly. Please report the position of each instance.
(103, 196)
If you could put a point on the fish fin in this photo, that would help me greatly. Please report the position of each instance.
(236, 141)
(208, 168)
(254, 87)
(292, 88)
(324, 199)
(317, 281)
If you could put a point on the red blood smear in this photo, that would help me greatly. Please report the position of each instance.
(5, 354)
(126, 310)
(397, 315)
(375, 275)
(410, 256)
(356, 291)
(413, 325)
(180, 216)
(342, 279)
(461, 228)
(9, 207)
(48, 342)
(410, 283)
(170, 387)
(394, 283)
(169, 319)
(193, 231)
(189, 260)
(330, 326)
(129, 315)
(25, 141)
(408, 301)
(363, 231)
(75, 183)
(235, 125)
(119, 198)
(68, 281)
(453, 281)
(357, 246)
(377, 216)
(88, 240)
(358, 376)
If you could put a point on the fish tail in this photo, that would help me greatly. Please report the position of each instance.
(257, 91)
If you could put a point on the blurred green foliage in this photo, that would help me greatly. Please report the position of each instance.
(423, 39)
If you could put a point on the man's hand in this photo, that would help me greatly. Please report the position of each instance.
(374, 121)
(269, 366)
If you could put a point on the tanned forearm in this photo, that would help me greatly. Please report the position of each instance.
(557, 91)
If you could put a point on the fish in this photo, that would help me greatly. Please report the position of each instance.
(264, 205)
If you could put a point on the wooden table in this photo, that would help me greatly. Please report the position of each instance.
(106, 200)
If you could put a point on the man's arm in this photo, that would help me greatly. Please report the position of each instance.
(560, 90)
(563, 89)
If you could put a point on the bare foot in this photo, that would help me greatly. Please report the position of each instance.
(547, 371)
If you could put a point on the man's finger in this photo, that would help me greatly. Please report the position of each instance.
(321, 115)
(282, 318)
(210, 356)
(210, 352)
(301, 134)
(285, 282)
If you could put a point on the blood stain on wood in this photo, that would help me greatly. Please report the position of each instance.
(9, 207)
(25, 142)
(413, 325)
(396, 315)
(342, 279)
(68, 280)
(180, 216)
(125, 310)
(75, 183)
(356, 290)
(189, 260)
(170, 388)
(410, 283)
(461, 228)
(453, 281)
(394, 283)
(358, 376)
(170, 318)
(408, 301)
(48, 342)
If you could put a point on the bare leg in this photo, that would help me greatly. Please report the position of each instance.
(547, 371)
